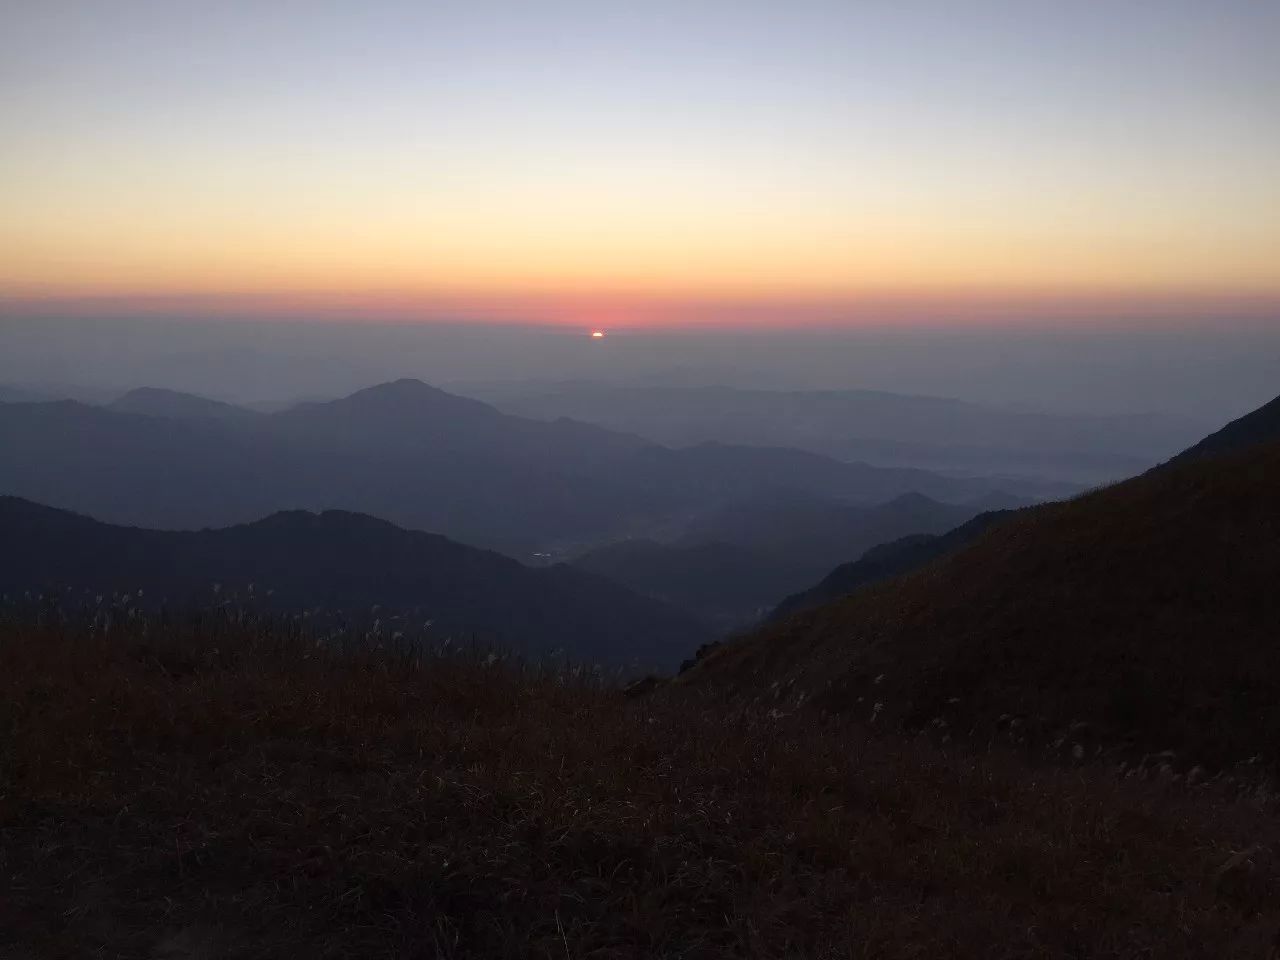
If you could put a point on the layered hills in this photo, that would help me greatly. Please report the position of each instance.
(1144, 613)
(735, 562)
(935, 433)
(417, 456)
(345, 568)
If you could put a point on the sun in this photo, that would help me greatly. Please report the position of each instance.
(597, 334)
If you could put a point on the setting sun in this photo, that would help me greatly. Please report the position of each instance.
(597, 334)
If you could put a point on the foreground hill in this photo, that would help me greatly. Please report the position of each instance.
(1260, 426)
(412, 454)
(1146, 612)
(887, 560)
(910, 553)
(228, 791)
(339, 566)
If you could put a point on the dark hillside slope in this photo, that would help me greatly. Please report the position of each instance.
(910, 553)
(733, 563)
(721, 583)
(888, 560)
(344, 564)
(814, 534)
(1148, 610)
(1260, 426)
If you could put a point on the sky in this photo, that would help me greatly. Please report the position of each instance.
(689, 163)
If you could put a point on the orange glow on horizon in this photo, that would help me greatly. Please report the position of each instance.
(844, 166)
(631, 309)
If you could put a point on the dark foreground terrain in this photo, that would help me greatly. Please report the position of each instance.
(237, 791)
(1140, 619)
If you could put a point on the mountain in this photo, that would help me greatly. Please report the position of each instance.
(419, 457)
(887, 560)
(1260, 426)
(1145, 612)
(734, 562)
(888, 429)
(343, 564)
(158, 402)
(909, 553)
(809, 535)
(720, 583)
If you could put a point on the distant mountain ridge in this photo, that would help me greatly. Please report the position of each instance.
(417, 456)
(874, 426)
(738, 561)
(158, 402)
(344, 564)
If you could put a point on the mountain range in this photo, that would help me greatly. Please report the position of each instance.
(419, 457)
(735, 562)
(345, 568)
(888, 429)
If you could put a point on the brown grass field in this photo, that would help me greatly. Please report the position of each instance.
(223, 790)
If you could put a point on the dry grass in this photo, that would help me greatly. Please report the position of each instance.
(224, 791)
(1146, 611)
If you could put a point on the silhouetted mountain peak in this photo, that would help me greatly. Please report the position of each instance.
(408, 395)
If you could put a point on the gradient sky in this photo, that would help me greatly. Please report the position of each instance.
(628, 163)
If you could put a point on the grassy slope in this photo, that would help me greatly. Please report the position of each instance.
(1147, 610)
(1258, 426)
(240, 793)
